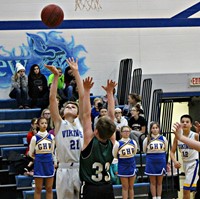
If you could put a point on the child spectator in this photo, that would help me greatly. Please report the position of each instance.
(47, 114)
(31, 133)
(42, 150)
(137, 123)
(98, 104)
(189, 156)
(19, 87)
(33, 130)
(155, 146)
(125, 150)
(102, 112)
(119, 122)
(38, 88)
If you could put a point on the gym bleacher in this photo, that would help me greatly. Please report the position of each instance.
(14, 126)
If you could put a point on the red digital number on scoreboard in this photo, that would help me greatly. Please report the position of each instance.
(195, 81)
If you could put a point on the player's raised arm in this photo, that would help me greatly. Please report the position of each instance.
(111, 102)
(52, 98)
(87, 125)
(74, 67)
(197, 127)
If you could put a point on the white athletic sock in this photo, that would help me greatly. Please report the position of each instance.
(154, 197)
(158, 197)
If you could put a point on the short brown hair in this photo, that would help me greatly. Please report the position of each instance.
(186, 116)
(64, 106)
(71, 102)
(106, 127)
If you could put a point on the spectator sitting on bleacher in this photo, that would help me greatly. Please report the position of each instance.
(137, 123)
(119, 122)
(75, 96)
(33, 130)
(38, 87)
(22, 163)
(133, 100)
(69, 83)
(102, 112)
(98, 103)
(19, 87)
(47, 115)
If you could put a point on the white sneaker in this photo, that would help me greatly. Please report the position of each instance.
(33, 184)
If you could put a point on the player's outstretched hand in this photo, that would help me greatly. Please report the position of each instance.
(53, 69)
(197, 127)
(177, 130)
(88, 83)
(72, 63)
(110, 86)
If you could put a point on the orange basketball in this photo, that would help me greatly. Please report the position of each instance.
(52, 15)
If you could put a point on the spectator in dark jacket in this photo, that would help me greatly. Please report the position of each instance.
(70, 83)
(38, 87)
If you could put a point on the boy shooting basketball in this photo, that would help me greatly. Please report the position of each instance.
(68, 136)
(96, 155)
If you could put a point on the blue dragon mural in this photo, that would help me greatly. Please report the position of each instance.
(43, 48)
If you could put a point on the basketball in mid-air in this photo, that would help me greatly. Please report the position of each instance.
(52, 15)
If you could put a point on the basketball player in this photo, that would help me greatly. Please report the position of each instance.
(191, 143)
(189, 155)
(68, 137)
(96, 156)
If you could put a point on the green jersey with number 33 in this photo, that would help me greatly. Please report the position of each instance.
(94, 168)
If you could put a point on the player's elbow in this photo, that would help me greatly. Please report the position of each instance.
(86, 115)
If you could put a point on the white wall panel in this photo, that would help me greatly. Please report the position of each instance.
(30, 10)
(169, 50)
